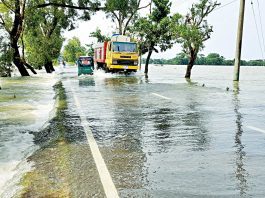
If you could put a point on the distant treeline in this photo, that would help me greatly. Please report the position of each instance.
(210, 59)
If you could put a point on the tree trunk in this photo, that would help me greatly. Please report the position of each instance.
(29, 67)
(17, 59)
(120, 28)
(188, 71)
(49, 66)
(190, 64)
(15, 33)
(23, 56)
(147, 62)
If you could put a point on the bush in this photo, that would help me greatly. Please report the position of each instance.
(5, 59)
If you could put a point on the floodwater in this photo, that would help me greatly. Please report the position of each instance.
(25, 106)
(160, 137)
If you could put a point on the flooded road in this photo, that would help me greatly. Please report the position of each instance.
(159, 137)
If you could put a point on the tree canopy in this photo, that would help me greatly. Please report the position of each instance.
(210, 59)
(194, 30)
(43, 34)
(123, 12)
(154, 30)
(73, 50)
(12, 15)
(99, 36)
(48, 18)
(36, 39)
(5, 57)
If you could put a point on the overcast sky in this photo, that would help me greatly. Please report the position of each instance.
(224, 21)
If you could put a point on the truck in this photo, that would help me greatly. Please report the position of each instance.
(119, 54)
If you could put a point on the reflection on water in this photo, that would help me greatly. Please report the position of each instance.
(194, 119)
(116, 119)
(152, 147)
(128, 161)
(190, 82)
(118, 81)
(240, 172)
(86, 82)
(163, 119)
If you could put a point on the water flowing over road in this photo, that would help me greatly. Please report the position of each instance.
(157, 137)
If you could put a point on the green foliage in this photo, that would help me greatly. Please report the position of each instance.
(73, 50)
(154, 30)
(90, 49)
(194, 29)
(41, 49)
(41, 22)
(44, 28)
(43, 34)
(77, 10)
(214, 58)
(255, 63)
(210, 59)
(6, 14)
(123, 12)
(161, 10)
(99, 36)
(5, 58)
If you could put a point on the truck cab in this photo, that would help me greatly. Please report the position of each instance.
(118, 54)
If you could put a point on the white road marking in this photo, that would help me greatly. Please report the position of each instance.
(256, 129)
(106, 180)
(158, 95)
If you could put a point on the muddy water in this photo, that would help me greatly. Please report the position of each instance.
(25, 105)
(64, 166)
(195, 141)
(196, 144)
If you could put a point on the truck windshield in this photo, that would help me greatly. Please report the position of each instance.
(124, 47)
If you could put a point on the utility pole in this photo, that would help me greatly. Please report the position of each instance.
(239, 40)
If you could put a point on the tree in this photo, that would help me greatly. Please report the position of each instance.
(214, 59)
(85, 6)
(43, 34)
(99, 36)
(5, 57)
(200, 60)
(155, 30)
(194, 30)
(12, 15)
(181, 59)
(90, 49)
(123, 12)
(73, 50)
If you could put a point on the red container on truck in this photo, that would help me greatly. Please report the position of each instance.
(118, 54)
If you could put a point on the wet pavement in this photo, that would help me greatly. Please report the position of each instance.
(160, 137)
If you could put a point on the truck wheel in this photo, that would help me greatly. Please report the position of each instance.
(127, 73)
